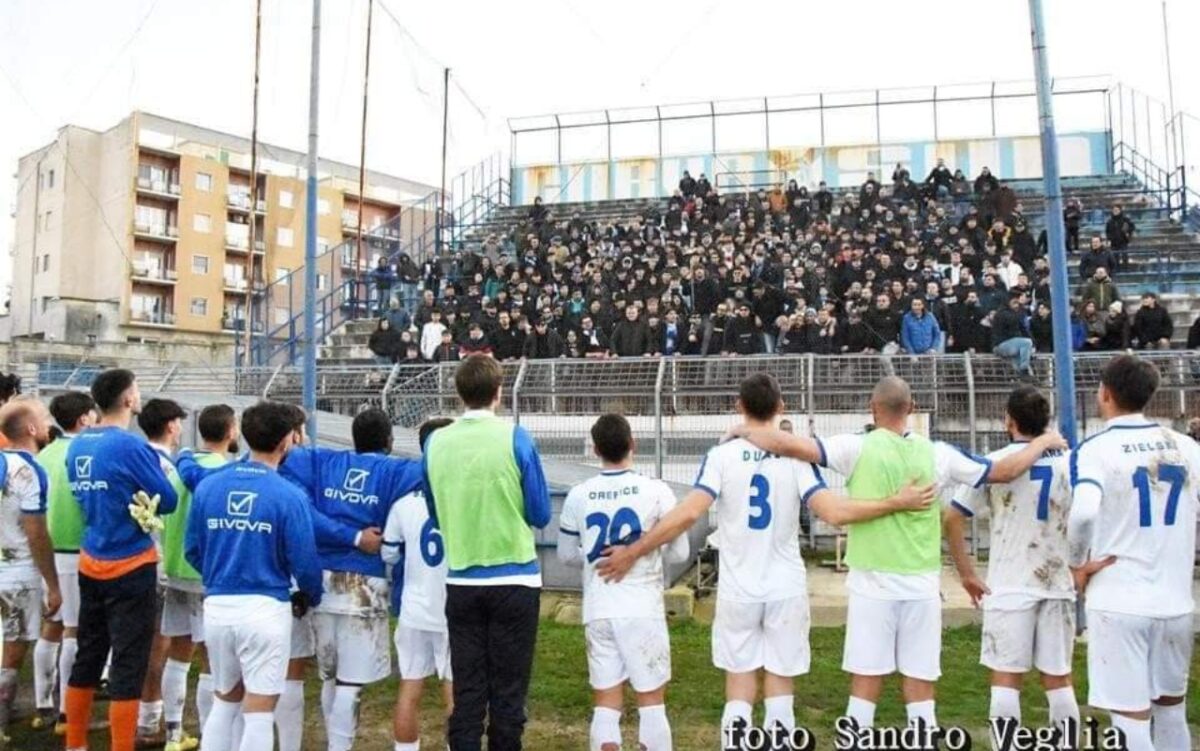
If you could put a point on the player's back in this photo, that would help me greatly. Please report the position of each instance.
(423, 599)
(615, 508)
(1029, 551)
(1150, 480)
(23, 492)
(758, 497)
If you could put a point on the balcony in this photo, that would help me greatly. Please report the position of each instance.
(153, 274)
(161, 189)
(238, 324)
(162, 233)
(238, 202)
(350, 220)
(235, 286)
(148, 318)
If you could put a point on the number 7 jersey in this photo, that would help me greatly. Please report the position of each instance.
(1149, 479)
(758, 497)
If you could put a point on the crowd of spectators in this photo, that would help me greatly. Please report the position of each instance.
(947, 264)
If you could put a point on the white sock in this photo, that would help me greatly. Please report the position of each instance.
(414, 746)
(289, 716)
(1006, 702)
(921, 710)
(66, 663)
(174, 690)
(736, 710)
(204, 697)
(45, 665)
(1137, 732)
(1170, 728)
(258, 732)
(150, 715)
(236, 731)
(862, 711)
(654, 731)
(779, 709)
(606, 728)
(218, 730)
(327, 690)
(343, 718)
(1063, 705)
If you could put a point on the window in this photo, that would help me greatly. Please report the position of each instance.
(284, 237)
(199, 265)
(202, 223)
(322, 282)
(50, 179)
(45, 303)
(204, 182)
(322, 245)
(151, 219)
(46, 262)
(235, 272)
(281, 273)
(199, 306)
(285, 199)
(46, 221)
(322, 206)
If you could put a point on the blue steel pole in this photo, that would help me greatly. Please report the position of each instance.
(310, 231)
(1060, 303)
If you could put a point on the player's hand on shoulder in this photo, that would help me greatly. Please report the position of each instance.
(735, 432)
(914, 497)
(1051, 440)
(370, 540)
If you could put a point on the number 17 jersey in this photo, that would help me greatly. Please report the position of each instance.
(758, 497)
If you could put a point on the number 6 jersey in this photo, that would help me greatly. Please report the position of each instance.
(614, 508)
(758, 497)
(1148, 479)
(411, 538)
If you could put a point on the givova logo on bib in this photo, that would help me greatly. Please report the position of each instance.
(353, 489)
(83, 477)
(239, 505)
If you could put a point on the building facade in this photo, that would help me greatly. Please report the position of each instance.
(142, 233)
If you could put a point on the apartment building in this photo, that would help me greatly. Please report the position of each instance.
(141, 233)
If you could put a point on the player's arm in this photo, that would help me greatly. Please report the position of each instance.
(778, 442)
(617, 560)
(954, 522)
(838, 510)
(570, 542)
(679, 549)
(392, 549)
(1018, 463)
(300, 552)
(533, 479)
(1087, 491)
(33, 523)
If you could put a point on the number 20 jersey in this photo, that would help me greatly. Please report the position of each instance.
(1149, 478)
(615, 507)
(758, 497)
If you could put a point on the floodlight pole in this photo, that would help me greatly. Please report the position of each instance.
(310, 230)
(1060, 303)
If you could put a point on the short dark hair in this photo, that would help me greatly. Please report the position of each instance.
(612, 437)
(478, 380)
(156, 414)
(10, 386)
(372, 432)
(69, 408)
(427, 428)
(1029, 409)
(214, 422)
(1131, 381)
(266, 424)
(110, 386)
(760, 396)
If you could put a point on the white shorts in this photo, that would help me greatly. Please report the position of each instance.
(253, 652)
(886, 636)
(1041, 636)
(637, 650)
(352, 648)
(67, 565)
(21, 612)
(773, 636)
(1133, 659)
(420, 654)
(183, 615)
(303, 645)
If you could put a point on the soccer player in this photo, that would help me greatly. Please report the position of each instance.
(28, 560)
(161, 420)
(183, 604)
(422, 646)
(249, 534)
(894, 618)
(74, 411)
(762, 617)
(1029, 598)
(106, 466)
(352, 493)
(1132, 535)
(625, 624)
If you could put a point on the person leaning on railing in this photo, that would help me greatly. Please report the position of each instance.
(1010, 340)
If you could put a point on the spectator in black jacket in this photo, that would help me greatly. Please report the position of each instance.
(706, 292)
(1072, 219)
(985, 182)
(508, 342)
(591, 339)
(857, 336)
(823, 199)
(1097, 256)
(1041, 328)
(1152, 325)
(447, 351)
(743, 334)
(714, 334)
(631, 337)
(1010, 340)
(940, 178)
(703, 187)
(543, 343)
(966, 332)
(687, 186)
(884, 324)
(672, 334)
(1119, 231)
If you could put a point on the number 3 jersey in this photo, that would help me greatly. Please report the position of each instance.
(1149, 478)
(758, 497)
(614, 508)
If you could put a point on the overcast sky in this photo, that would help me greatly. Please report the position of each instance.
(90, 63)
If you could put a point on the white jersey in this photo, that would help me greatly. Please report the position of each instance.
(423, 597)
(758, 497)
(1149, 479)
(24, 492)
(952, 467)
(614, 508)
(1028, 558)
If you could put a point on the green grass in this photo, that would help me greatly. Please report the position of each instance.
(560, 700)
